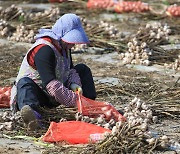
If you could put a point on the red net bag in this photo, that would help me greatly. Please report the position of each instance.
(5, 97)
(173, 10)
(57, 1)
(74, 132)
(100, 4)
(94, 109)
(131, 6)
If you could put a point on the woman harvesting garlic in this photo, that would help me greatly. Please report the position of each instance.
(47, 77)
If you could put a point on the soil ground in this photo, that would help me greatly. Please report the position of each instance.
(128, 81)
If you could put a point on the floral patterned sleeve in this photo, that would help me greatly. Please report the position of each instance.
(62, 94)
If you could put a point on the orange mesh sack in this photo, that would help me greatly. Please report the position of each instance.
(74, 132)
(94, 109)
(5, 97)
(100, 4)
(57, 1)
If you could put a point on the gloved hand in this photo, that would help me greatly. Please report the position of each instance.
(75, 87)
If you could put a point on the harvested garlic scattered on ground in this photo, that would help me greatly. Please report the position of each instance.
(134, 100)
(93, 120)
(100, 120)
(143, 112)
(106, 134)
(130, 116)
(143, 45)
(112, 122)
(119, 124)
(121, 56)
(147, 135)
(149, 114)
(130, 44)
(138, 132)
(155, 119)
(86, 119)
(62, 119)
(126, 109)
(107, 125)
(164, 138)
(114, 130)
(144, 126)
(139, 121)
(146, 120)
(133, 123)
(125, 115)
(134, 61)
(144, 106)
(138, 103)
(78, 116)
(115, 138)
(108, 114)
(9, 125)
(163, 144)
(151, 141)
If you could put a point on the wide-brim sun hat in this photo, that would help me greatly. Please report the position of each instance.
(73, 31)
(67, 28)
(76, 36)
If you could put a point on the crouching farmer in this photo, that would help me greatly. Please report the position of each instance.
(47, 76)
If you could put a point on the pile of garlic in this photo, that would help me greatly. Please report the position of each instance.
(100, 121)
(10, 13)
(138, 118)
(140, 47)
(51, 14)
(175, 65)
(104, 27)
(137, 113)
(138, 53)
(14, 12)
(5, 28)
(110, 29)
(85, 23)
(80, 47)
(22, 34)
(9, 121)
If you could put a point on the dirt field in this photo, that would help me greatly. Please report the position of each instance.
(115, 83)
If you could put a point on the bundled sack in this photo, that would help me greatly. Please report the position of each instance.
(5, 97)
(131, 6)
(173, 10)
(57, 1)
(100, 4)
(74, 132)
(92, 108)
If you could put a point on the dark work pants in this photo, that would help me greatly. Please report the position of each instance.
(29, 93)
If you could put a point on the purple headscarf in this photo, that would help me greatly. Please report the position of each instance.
(68, 28)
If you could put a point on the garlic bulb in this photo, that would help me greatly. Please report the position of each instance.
(141, 48)
(114, 130)
(100, 120)
(151, 141)
(144, 126)
(164, 138)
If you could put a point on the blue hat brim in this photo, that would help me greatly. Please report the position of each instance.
(76, 36)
